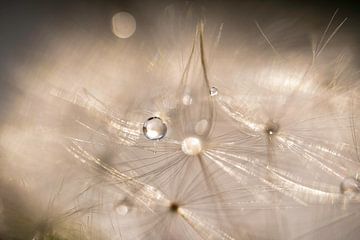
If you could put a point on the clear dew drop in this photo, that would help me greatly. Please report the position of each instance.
(350, 186)
(122, 207)
(154, 128)
(213, 91)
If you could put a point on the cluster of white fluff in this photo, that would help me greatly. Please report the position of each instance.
(258, 136)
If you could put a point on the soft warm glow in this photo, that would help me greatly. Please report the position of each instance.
(191, 146)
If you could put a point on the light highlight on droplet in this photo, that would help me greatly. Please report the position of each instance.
(213, 91)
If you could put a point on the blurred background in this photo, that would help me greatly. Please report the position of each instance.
(28, 28)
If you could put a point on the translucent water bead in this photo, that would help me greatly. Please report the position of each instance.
(213, 91)
(154, 128)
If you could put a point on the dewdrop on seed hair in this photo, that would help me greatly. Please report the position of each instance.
(154, 128)
(196, 111)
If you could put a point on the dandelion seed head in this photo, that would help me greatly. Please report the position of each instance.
(191, 146)
(236, 173)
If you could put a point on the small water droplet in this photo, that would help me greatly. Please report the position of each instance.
(213, 91)
(123, 206)
(350, 186)
(187, 100)
(201, 126)
(154, 128)
(122, 209)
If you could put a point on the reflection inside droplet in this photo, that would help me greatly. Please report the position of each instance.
(191, 146)
(123, 25)
(350, 186)
(213, 91)
(154, 128)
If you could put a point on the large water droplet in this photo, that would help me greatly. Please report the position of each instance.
(154, 128)
(213, 91)
(350, 186)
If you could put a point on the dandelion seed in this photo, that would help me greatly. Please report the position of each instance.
(174, 207)
(271, 128)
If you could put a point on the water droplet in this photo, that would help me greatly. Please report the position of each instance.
(122, 209)
(154, 128)
(201, 126)
(191, 146)
(187, 100)
(123, 206)
(213, 91)
(350, 186)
